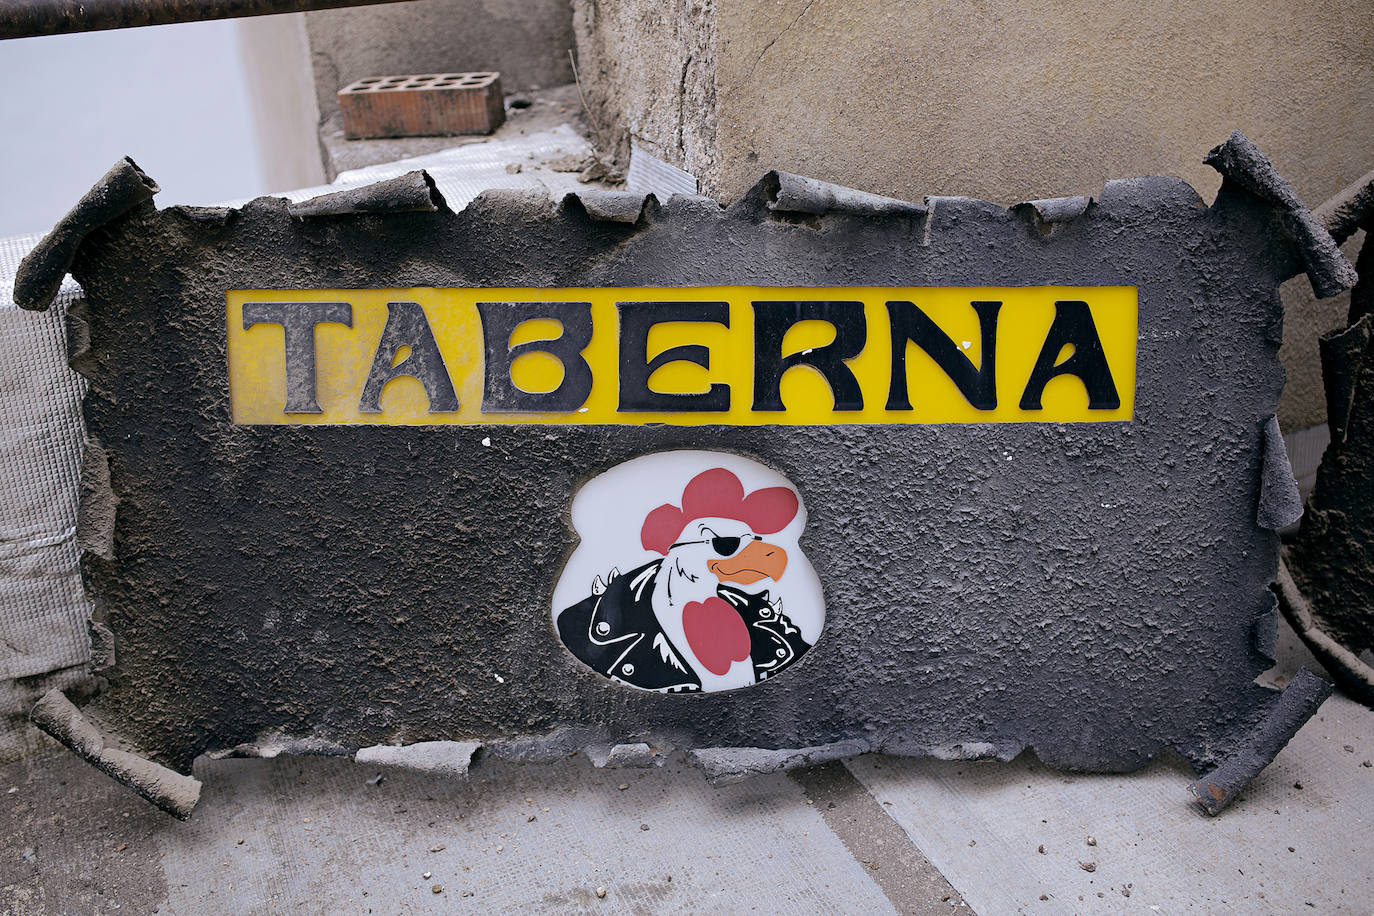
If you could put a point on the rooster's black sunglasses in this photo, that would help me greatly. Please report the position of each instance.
(726, 547)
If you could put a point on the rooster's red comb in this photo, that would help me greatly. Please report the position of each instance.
(717, 493)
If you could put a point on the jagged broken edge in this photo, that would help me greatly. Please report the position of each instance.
(779, 195)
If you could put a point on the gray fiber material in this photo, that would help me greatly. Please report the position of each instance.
(612, 206)
(1331, 558)
(1280, 503)
(1057, 209)
(441, 758)
(171, 791)
(725, 765)
(1090, 591)
(1240, 161)
(798, 194)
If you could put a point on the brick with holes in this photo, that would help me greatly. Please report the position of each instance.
(422, 105)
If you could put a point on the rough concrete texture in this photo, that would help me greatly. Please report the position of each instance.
(1007, 104)
(1097, 592)
(648, 70)
(526, 113)
(526, 40)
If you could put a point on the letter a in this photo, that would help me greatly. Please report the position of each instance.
(406, 326)
(1073, 325)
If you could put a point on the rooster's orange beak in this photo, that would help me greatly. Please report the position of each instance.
(758, 560)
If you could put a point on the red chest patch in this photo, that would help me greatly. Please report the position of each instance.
(716, 633)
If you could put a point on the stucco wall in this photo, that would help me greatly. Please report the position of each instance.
(990, 101)
(648, 69)
(527, 40)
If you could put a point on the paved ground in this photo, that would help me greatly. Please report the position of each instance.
(869, 835)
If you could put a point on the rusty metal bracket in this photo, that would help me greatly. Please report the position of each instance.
(1299, 701)
(30, 18)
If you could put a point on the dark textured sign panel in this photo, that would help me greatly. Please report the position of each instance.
(1094, 591)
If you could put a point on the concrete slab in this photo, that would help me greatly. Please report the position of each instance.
(526, 113)
(1298, 838)
(314, 834)
(913, 885)
(74, 841)
(318, 836)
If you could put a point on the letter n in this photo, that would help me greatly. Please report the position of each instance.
(978, 384)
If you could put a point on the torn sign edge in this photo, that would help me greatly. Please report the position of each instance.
(1241, 164)
(777, 196)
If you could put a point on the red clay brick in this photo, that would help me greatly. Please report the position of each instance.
(422, 105)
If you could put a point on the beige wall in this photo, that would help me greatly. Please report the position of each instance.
(276, 60)
(1001, 101)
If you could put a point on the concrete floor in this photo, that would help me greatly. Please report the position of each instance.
(869, 835)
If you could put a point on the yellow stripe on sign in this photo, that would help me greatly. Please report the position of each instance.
(738, 355)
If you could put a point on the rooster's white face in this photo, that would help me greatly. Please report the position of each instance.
(712, 551)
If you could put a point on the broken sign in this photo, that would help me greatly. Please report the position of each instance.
(1040, 560)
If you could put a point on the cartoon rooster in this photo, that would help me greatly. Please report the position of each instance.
(701, 618)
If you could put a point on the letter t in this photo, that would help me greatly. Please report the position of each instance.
(298, 321)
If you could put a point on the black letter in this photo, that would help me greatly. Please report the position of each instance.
(298, 320)
(499, 321)
(636, 318)
(1073, 324)
(909, 323)
(771, 321)
(406, 326)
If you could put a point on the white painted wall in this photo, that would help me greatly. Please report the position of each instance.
(176, 98)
